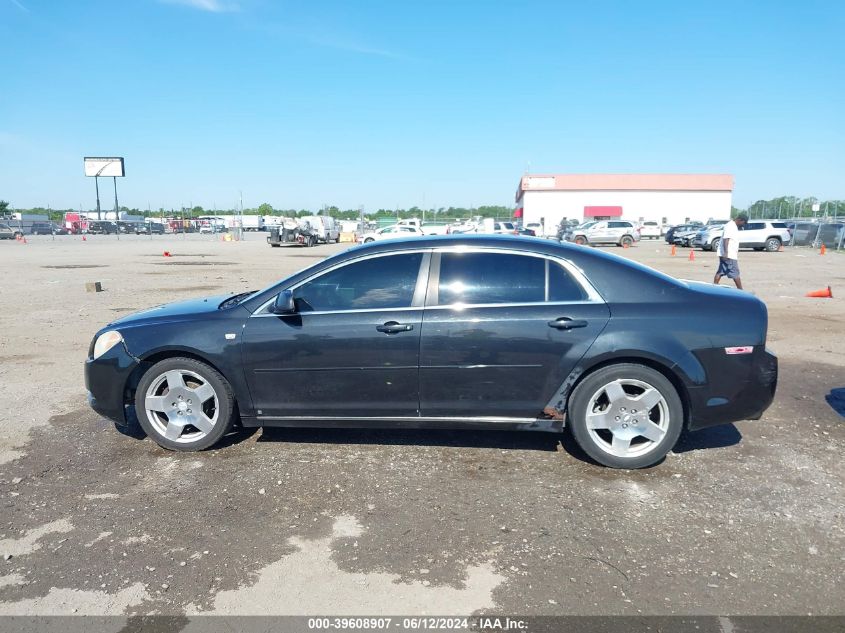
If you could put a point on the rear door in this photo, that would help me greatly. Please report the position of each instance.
(502, 330)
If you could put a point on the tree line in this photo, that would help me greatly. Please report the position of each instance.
(780, 207)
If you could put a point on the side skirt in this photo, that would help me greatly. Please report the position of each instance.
(487, 423)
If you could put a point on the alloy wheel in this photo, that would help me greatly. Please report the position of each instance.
(627, 418)
(181, 406)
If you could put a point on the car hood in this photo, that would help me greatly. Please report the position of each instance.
(171, 311)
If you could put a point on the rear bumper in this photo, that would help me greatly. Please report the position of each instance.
(741, 389)
(106, 378)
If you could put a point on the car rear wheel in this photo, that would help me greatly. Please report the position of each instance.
(626, 241)
(714, 245)
(626, 416)
(581, 240)
(368, 240)
(772, 244)
(184, 405)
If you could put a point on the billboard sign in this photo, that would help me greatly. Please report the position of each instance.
(105, 167)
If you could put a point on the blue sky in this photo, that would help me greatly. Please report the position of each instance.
(301, 104)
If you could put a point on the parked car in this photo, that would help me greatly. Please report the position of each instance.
(150, 228)
(42, 228)
(506, 228)
(651, 230)
(389, 233)
(126, 227)
(323, 227)
(521, 334)
(102, 228)
(686, 236)
(9, 233)
(427, 228)
(619, 232)
(669, 235)
(525, 232)
(760, 235)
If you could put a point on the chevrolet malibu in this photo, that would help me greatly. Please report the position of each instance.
(478, 332)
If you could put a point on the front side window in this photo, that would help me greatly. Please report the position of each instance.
(369, 284)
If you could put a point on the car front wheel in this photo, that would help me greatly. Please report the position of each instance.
(772, 244)
(184, 404)
(626, 416)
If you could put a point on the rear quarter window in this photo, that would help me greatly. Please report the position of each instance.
(779, 225)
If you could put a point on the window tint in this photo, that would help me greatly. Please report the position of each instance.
(379, 282)
(473, 278)
(619, 225)
(755, 226)
(779, 225)
(562, 287)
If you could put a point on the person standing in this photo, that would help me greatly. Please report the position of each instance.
(729, 251)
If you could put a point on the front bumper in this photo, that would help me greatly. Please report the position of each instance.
(106, 379)
(740, 388)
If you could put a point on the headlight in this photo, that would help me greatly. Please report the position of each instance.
(106, 341)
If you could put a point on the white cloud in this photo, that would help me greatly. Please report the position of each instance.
(212, 6)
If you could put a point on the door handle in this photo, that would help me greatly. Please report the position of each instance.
(392, 327)
(565, 323)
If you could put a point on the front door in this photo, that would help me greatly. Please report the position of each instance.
(501, 332)
(350, 350)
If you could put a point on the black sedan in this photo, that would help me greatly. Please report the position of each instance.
(456, 332)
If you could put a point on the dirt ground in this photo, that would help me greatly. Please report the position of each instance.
(741, 519)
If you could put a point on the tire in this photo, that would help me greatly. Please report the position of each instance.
(627, 382)
(626, 240)
(368, 240)
(714, 245)
(772, 244)
(172, 427)
(580, 240)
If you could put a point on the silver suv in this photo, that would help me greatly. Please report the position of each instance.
(619, 232)
(760, 235)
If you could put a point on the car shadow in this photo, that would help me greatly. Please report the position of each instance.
(539, 441)
(836, 400)
(714, 437)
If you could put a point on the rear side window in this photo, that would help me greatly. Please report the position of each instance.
(755, 226)
(562, 287)
(498, 278)
(474, 278)
(779, 225)
(369, 284)
(619, 225)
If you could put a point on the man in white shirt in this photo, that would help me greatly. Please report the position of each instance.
(729, 251)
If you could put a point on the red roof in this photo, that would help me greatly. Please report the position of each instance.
(626, 182)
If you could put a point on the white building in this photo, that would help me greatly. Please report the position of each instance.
(664, 198)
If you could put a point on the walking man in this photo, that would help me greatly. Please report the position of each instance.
(729, 251)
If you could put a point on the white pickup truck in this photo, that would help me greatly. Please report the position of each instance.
(426, 228)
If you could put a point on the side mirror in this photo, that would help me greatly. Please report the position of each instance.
(284, 303)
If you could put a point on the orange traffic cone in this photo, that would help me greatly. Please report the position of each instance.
(167, 254)
(780, 248)
(83, 239)
(23, 239)
(626, 245)
(692, 254)
(823, 250)
(673, 250)
(824, 293)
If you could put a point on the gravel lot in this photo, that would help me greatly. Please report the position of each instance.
(741, 519)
